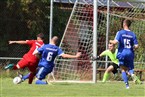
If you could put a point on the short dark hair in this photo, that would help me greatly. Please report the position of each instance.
(55, 39)
(41, 35)
(127, 22)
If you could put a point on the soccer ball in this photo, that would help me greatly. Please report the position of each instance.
(17, 80)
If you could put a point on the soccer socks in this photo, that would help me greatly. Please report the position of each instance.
(125, 78)
(25, 76)
(105, 77)
(131, 72)
(134, 77)
(31, 76)
(40, 82)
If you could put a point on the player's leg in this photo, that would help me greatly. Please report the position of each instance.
(31, 77)
(12, 66)
(123, 67)
(20, 75)
(134, 77)
(106, 74)
(24, 77)
(130, 63)
(32, 67)
(115, 70)
(9, 66)
(124, 75)
(24, 63)
(41, 74)
(21, 64)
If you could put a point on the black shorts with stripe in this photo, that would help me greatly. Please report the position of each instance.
(115, 66)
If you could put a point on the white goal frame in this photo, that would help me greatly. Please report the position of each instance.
(94, 42)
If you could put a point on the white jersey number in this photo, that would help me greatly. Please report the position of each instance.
(35, 50)
(49, 56)
(127, 43)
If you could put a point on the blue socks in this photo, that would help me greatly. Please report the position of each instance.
(124, 77)
(131, 72)
(25, 76)
(40, 82)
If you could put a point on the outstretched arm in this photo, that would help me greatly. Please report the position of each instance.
(113, 41)
(95, 58)
(18, 42)
(71, 56)
(98, 57)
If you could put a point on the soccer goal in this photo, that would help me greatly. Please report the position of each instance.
(79, 36)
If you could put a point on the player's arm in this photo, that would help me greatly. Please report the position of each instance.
(18, 42)
(135, 43)
(113, 41)
(38, 52)
(71, 56)
(117, 38)
(98, 57)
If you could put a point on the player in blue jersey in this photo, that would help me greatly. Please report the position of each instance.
(127, 43)
(48, 54)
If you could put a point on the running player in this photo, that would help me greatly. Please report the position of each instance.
(49, 53)
(127, 43)
(29, 59)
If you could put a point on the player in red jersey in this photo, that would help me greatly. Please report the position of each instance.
(29, 59)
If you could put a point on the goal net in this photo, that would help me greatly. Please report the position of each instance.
(78, 36)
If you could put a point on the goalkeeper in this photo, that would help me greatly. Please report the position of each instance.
(111, 52)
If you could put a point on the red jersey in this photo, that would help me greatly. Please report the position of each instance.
(34, 44)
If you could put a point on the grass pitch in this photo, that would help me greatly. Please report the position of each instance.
(109, 89)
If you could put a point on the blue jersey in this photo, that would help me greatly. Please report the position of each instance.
(48, 54)
(126, 40)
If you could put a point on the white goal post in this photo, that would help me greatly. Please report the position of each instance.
(78, 37)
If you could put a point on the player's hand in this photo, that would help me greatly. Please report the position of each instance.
(95, 58)
(78, 54)
(110, 41)
(11, 42)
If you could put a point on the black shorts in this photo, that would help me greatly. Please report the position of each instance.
(115, 66)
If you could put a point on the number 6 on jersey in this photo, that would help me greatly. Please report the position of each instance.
(49, 56)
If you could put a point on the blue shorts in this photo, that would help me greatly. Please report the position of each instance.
(126, 58)
(42, 72)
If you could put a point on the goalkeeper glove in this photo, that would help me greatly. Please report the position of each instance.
(95, 58)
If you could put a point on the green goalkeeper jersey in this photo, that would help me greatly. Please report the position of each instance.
(111, 55)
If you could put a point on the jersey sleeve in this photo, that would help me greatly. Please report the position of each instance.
(117, 37)
(60, 52)
(30, 42)
(135, 40)
(104, 53)
(41, 49)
